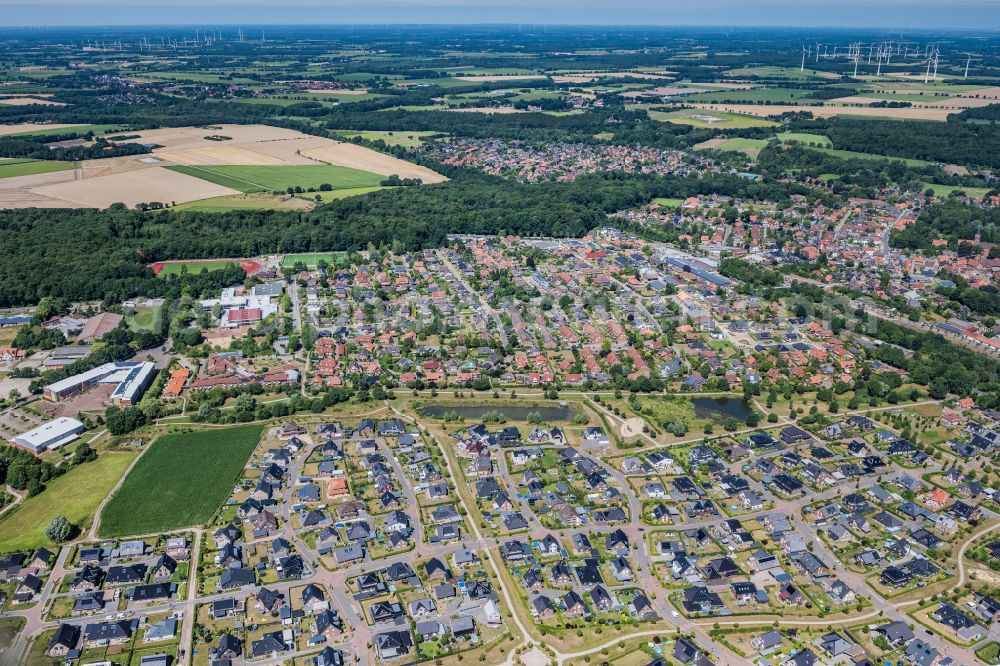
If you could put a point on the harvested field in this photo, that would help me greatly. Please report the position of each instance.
(130, 188)
(28, 101)
(829, 111)
(218, 154)
(143, 178)
(358, 157)
(6, 130)
(20, 191)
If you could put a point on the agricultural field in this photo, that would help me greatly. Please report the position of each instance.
(714, 119)
(278, 178)
(749, 147)
(805, 138)
(406, 139)
(258, 201)
(75, 495)
(17, 167)
(182, 480)
(334, 195)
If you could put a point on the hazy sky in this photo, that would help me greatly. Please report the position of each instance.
(973, 14)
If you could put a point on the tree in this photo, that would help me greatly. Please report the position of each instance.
(59, 529)
(123, 421)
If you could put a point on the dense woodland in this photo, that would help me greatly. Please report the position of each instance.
(49, 250)
(954, 142)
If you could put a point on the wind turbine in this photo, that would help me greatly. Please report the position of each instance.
(802, 67)
(967, 61)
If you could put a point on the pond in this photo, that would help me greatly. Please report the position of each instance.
(470, 413)
(720, 409)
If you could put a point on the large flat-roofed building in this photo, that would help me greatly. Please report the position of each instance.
(131, 377)
(134, 384)
(66, 355)
(50, 436)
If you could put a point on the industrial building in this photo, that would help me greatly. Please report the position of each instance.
(50, 436)
(132, 378)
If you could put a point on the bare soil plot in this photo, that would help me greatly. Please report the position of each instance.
(6, 130)
(132, 187)
(909, 113)
(359, 157)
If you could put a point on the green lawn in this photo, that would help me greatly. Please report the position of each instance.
(9, 169)
(334, 195)
(667, 202)
(945, 190)
(404, 138)
(311, 259)
(279, 178)
(182, 480)
(750, 147)
(244, 202)
(144, 318)
(76, 495)
(806, 138)
(850, 154)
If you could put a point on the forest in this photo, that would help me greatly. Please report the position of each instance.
(47, 252)
(953, 142)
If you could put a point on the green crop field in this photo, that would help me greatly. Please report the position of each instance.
(76, 495)
(279, 178)
(311, 259)
(79, 129)
(12, 168)
(774, 95)
(182, 480)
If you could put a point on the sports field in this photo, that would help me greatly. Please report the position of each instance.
(19, 167)
(76, 495)
(165, 268)
(311, 259)
(280, 178)
(181, 481)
